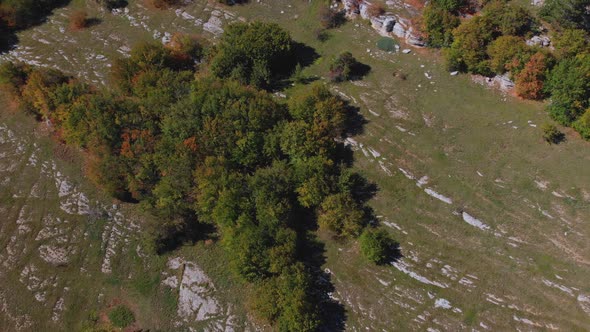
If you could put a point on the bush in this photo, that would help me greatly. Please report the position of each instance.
(551, 134)
(377, 246)
(121, 316)
(376, 9)
(343, 67)
(78, 20)
(330, 18)
(386, 44)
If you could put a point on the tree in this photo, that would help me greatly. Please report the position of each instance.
(508, 18)
(507, 52)
(582, 125)
(342, 215)
(376, 245)
(254, 53)
(468, 51)
(530, 82)
(569, 86)
(567, 13)
(438, 25)
(449, 5)
(570, 43)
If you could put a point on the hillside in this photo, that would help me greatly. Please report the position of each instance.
(492, 221)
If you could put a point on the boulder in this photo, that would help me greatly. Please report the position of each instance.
(543, 41)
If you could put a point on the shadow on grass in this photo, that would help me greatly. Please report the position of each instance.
(35, 15)
(331, 312)
(94, 21)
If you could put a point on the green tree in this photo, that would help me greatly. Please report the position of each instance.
(569, 86)
(468, 51)
(508, 52)
(439, 24)
(582, 125)
(253, 53)
(341, 214)
(571, 42)
(567, 13)
(376, 245)
(508, 18)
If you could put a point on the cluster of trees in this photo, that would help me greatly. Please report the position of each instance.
(494, 43)
(186, 132)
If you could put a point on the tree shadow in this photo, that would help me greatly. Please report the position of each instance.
(355, 122)
(38, 15)
(359, 71)
(394, 253)
(94, 21)
(170, 235)
(331, 312)
(305, 55)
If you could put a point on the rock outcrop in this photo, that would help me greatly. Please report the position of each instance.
(388, 24)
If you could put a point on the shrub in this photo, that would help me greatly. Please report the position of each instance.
(78, 20)
(121, 316)
(330, 18)
(386, 44)
(343, 67)
(551, 134)
(376, 9)
(377, 246)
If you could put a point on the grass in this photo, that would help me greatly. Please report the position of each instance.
(461, 135)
